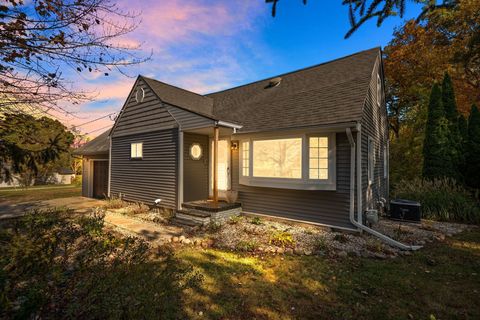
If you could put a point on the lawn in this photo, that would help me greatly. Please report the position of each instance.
(442, 281)
(17, 195)
(83, 270)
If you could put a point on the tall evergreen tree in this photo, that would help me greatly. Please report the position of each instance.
(454, 147)
(472, 166)
(437, 157)
(463, 130)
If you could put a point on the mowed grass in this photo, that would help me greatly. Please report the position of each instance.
(442, 280)
(11, 195)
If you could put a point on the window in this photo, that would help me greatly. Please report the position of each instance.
(299, 161)
(136, 150)
(139, 94)
(318, 158)
(371, 160)
(245, 158)
(280, 158)
(385, 161)
(195, 151)
(379, 90)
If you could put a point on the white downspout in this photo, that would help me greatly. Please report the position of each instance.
(359, 172)
(383, 237)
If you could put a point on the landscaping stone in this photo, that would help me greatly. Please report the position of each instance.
(280, 250)
(342, 254)
(175, 239)
(182, 238)
(187, 241)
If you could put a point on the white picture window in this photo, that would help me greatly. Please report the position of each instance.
(318, 158)
(245, 158)
(136, 150)
(279, 158)
(301, 161)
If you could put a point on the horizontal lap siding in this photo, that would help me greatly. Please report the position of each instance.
(374, 125)
(325, 207)
(153, 177)
(145, 116)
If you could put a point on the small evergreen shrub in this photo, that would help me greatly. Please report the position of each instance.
(320, 243)
(340, 237)
(234, 219)
(441, 199)
(282, 239)
(256, 221)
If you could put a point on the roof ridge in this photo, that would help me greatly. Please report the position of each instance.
(173, 86)
(379, 48)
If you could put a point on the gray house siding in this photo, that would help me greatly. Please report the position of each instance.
(325, 207)
(374, 125)
(188, 120)
(154, 176)
(145, 116)
(195, 172)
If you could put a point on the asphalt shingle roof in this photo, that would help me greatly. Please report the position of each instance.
(328, 93)
(99, 145)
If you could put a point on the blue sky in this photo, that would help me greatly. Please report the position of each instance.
(207, 45)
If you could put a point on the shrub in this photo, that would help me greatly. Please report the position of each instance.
(247, 245)
(282, 238)
(114, 203)
(234, 219)
(55, 266)
(214, 227)
(137, 208)
(340, 237)
(441, 199)
(320, 243)
(256, 220)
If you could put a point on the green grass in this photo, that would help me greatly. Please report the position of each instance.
(442, 280)
(11, 195)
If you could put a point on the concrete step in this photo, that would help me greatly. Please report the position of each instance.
(195, 213)
(188, 216)
(183, 222)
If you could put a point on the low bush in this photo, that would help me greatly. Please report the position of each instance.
(320, 243)
(282, 239)
(137, 208)
(55, 266)
(442, 200)
(340, 237)
(77, 181)
(256, 221)
(247, 245)
(114, 203)
(234, 219)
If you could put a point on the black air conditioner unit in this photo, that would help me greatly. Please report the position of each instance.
(405, 210)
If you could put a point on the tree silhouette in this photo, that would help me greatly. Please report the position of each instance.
(41, 41)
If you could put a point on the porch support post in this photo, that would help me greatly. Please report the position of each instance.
(215, 165)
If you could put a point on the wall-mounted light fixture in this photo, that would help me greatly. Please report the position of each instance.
(234, 146)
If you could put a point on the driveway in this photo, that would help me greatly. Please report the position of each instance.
(78, 204)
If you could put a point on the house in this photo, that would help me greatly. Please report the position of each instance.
(309, 145)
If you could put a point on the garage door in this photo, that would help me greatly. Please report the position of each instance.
(100, 179)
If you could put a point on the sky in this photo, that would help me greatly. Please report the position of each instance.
(206, 45)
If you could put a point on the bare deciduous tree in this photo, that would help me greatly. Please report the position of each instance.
(43, 41)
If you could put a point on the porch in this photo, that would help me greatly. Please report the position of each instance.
(205, 175)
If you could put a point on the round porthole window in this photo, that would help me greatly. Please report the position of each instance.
(196, 151)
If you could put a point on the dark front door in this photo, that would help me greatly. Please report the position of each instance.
(195, 167)
(100, 179)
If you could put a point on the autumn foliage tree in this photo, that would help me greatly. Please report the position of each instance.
(43, 42)
(472, 174)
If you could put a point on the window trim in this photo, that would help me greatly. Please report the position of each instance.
(370, 161)
(131, 145)
(303, 183)
(379, 90)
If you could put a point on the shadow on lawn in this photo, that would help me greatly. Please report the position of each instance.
(443, 280)
(244, 287)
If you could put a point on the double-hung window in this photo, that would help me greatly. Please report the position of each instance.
(295, 161)
(136, 150)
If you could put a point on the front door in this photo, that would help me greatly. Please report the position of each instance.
(223, 170)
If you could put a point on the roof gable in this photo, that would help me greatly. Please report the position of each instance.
(181, 98)
(99, 145)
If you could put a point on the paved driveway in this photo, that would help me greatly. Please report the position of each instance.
(79, 204)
